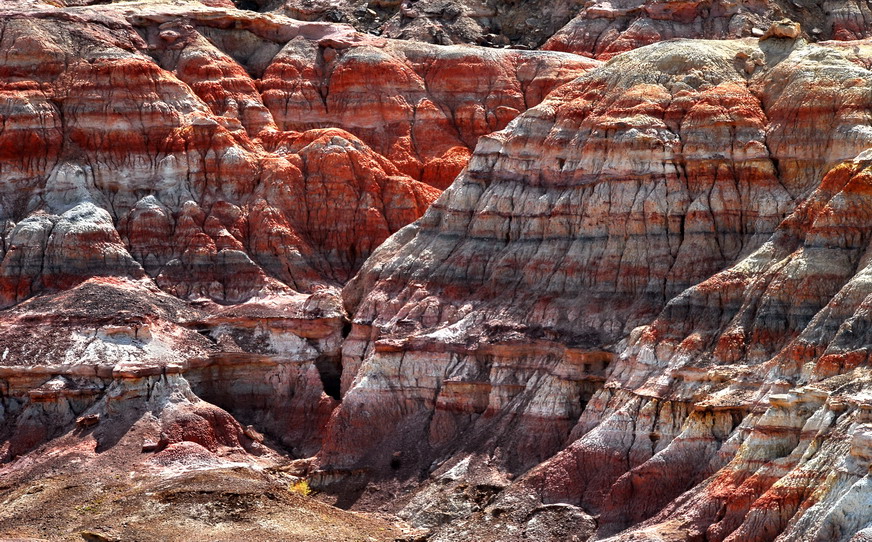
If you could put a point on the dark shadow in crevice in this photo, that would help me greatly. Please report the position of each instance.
(249, 5)
(330, 371)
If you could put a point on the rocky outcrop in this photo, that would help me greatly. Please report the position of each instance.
(603, 29)
(108, 340)
(699, 405)
(85, 442)
(599, 29)
(493, 22)
(638, 311)
(220, 162)
(119, 399)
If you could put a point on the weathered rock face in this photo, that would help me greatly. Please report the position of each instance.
(78, 352)
(527, 23)
(658, 270)
(627, 166)
(603, 29)
(147, 144)
(136, 175)
(805, 399)
(638, 311)
(421, 107)
(171, 176)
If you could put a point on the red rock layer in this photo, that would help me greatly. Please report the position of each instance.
(728, 204)
(156, 121)
(418, 106)
(115, 141)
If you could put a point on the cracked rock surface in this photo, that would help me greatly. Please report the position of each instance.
(555, 283)
(617, 289)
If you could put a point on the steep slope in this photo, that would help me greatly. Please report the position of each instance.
(207, 196)
(178, 208)
(639, 311)
(506, 321)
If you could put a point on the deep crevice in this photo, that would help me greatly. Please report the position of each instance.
(330, 371)
(249, 5)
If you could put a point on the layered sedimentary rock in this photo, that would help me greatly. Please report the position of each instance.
(217, 161)
(421, 107)
(170, 184)
(613, 168)
(685, 227)
(100, 347)
(604, 29)
(639, 311)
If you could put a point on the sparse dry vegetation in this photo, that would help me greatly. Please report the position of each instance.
(300, 487)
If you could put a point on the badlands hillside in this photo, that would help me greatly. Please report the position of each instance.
(436, 270)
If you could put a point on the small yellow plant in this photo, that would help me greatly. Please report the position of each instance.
(300, 487)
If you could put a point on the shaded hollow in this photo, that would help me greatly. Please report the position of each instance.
(330, 371)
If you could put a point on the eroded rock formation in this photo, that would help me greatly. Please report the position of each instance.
(637, 311)
(492, 22)
(556, 284)
(196, 154)
(604, 29)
